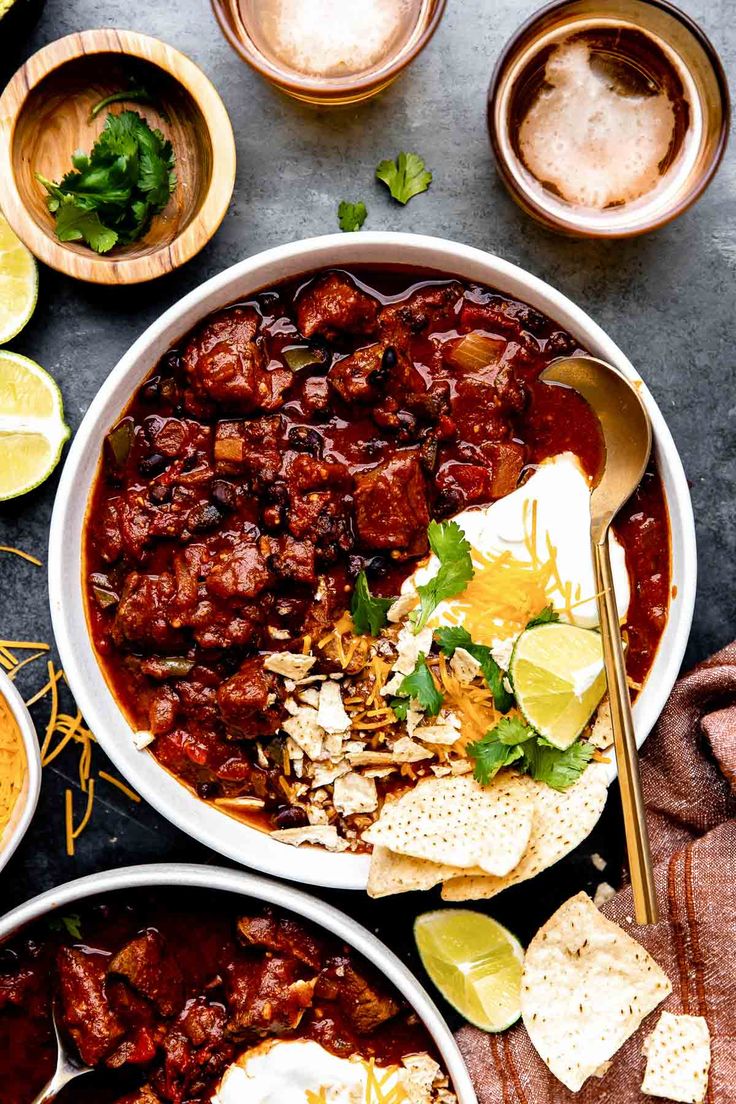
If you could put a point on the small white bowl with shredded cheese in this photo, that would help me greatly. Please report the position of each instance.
(20, 769)
(312, 864)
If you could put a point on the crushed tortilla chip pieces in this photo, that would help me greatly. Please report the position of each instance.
(678, 1059)
(561, 821)
(459, 822)
(586, 987)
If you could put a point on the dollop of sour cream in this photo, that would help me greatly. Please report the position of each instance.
(300, 1071)
(543, 526)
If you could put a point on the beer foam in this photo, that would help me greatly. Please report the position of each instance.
(594, 144)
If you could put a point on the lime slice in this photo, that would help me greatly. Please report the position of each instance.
(32, 429)
(475, 963)
(558, 679)
(18, 283)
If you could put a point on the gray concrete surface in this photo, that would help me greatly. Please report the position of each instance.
(667, 299)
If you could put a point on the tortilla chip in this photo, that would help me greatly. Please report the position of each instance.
(458, 822)
(601, 734)
(391, 873)
(586, 987)
(562, 820)
(678, 1059)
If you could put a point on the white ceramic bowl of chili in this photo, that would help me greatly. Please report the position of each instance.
(203, 821)
(261, 891)
(24, 805)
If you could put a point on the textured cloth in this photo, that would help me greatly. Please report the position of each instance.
(689, 781)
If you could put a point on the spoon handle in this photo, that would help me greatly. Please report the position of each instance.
(624, 740)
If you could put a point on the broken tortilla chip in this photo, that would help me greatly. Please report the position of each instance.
(586, 987)
(391, 873)
(678, 1059)
(458, 822)
(562, 820)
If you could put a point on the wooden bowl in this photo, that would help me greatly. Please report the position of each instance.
(44, 117)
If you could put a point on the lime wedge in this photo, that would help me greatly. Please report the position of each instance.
(475, 963)
(18, 283)
(32, 428)
(558, 679)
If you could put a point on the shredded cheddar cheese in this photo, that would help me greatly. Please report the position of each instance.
(13, 765)
(63, 732)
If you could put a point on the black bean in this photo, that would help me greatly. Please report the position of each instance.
(224, 494)
(203, 517)
(150, 391)
(560, 344)
(448, 502)
(291, 816)
(376, 566)
(208, 790)
(278, 494)
(306, 440)
(153, 464)
(190, 463)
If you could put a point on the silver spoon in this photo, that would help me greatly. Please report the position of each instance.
(627, 435)
(67, 1068)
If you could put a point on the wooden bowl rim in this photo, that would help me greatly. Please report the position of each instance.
(126, 270)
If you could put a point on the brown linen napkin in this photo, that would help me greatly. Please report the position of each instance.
(689, 779)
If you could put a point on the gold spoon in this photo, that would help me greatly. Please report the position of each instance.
(627, 435)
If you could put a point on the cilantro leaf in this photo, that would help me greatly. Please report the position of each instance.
(405, 177)
(351, 216)
(547, 616)
(419, 685)
(559, 769)
(368, 612)
(490, 756)
(111, 195)
(513, 741)
(78, 224)
(72, 924)
(447, 541)
(512, 730)
(449, 639)
(400, 707)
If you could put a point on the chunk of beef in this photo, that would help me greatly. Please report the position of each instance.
(163, 709)
(293, 559)
(85, 1010)
(243, 573)
(488, 311)
(226, 364)
(137, 1049)
(427, 305)
(266, 995)
(249, 448)
(145, 964)
(215, 627)
(460, 485)
(333, 304)
(391, 505)
(144, 1095)
(249, 702)
(143, 615)
(364, 376)
(309, 473)
(282, 935)
(15, 987)
(325, 517)
(316, 396)
(363, 1002)
(195, 1051)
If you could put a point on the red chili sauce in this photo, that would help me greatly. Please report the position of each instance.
(160, 992)
(252, 447)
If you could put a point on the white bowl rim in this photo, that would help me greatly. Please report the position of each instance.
(224, 834)
(273, 893)
(33, 762)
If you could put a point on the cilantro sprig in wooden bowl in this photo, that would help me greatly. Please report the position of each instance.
(107, 187)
